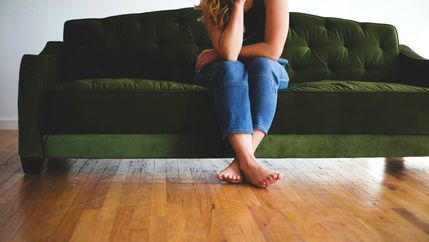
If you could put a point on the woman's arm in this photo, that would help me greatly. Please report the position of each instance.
(276, 29)
(229, 41)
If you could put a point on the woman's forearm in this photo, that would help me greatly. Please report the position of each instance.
(260, 49)
(231, 39)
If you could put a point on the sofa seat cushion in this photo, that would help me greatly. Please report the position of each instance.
(124, 85)
(339, 86)
(153, 106)
(126, 106)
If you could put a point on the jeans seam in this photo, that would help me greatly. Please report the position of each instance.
(276, 87)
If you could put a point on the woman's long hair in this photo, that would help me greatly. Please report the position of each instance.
(218, 11)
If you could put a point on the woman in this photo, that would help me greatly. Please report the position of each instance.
(245, 72)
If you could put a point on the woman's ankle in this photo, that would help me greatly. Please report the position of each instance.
(248, 161)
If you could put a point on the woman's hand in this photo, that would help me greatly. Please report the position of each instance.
(227, 41)
(205, 57)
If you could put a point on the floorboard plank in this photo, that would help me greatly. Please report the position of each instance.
(323, 199)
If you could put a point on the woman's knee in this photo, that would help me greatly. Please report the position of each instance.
(266, 69)
(261, 66)
(230, 71)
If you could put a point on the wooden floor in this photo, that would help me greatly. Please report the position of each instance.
(181, 200)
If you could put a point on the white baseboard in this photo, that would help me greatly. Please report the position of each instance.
(6, 124)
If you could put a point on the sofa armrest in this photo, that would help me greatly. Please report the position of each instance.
(413, 69)
(35, 73)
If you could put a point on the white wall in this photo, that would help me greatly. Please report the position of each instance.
(27, 25)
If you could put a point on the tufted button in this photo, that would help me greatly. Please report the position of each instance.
(366, 66)
(349, 46)
(380, 46)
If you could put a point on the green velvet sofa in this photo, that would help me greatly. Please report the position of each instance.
(120, 87)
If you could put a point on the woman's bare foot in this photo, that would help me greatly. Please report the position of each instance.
(231, 173)
(257, 174)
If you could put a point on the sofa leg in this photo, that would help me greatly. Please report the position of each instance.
(394, 159)
(394, 163)
(32, 165)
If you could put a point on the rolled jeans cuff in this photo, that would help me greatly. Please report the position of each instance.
(235, 131)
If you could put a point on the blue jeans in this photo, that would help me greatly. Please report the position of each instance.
(244, 91)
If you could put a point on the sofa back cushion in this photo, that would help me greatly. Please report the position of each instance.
(163, 45)
(159, 45)
(323, 48)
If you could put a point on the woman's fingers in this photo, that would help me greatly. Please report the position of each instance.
(205, 57)
(200, 58)
(197, 64)
(204, 61)
(200, 61)
(200, 55)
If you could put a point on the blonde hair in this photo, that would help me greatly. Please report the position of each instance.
(218, 11)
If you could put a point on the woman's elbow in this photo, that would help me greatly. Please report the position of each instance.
(229, 55)
(275, 54)
(274, 51)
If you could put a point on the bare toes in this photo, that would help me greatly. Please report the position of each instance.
(275, 176)
(264, 181)
(267, 180)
